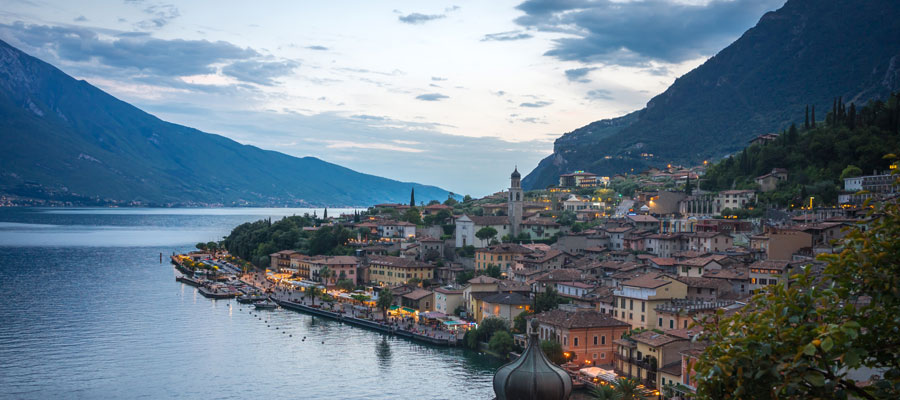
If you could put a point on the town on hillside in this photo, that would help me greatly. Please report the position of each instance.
(614, 274)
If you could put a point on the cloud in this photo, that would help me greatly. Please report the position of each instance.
(506, 36)
(418, 18)
(598, 94)
(438, 79)
(635, 33)
(259, 72)
(536, 104)
(431, 97)
(579, 74)
(158, 61)
(317, 48)
(81, 18)
(160, 16)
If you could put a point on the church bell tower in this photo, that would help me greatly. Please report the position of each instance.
(516, 199)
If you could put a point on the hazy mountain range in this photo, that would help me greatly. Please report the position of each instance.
(66, 141)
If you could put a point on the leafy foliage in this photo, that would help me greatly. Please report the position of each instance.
(501, 343)
(548, 300)
(817, 158)
(254, 241)
(803, 341)
(553, 350)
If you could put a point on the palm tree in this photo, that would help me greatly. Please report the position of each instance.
(311, 293)
(324, 274)
(605, 392)
(385, 299)
(628, 389)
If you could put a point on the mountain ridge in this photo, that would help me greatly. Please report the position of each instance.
(799, 54)
(69, 142)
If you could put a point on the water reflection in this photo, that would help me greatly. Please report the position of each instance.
(383, 353)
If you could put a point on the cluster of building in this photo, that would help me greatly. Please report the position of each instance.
(634, 283)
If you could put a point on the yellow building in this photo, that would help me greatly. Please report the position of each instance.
(502, 255)
(636, 299)
(389, 270)
(648, 355)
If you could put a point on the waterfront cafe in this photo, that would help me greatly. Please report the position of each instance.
(596, 376)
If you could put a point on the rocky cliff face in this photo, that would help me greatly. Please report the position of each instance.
(807, 52)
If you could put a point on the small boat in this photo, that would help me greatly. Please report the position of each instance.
(265, 305)
(250, 298)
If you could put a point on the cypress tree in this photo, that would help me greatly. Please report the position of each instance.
(412, 197)
(813, 118)
(325, 213)
(851, 118)
(687, 185)
(806, 123)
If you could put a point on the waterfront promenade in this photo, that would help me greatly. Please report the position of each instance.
(290, 297)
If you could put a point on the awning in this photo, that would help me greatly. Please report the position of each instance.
(453, 323)
(393, 308)
(433, 315)
(409, 310)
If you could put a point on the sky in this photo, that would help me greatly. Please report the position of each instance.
(449, 93)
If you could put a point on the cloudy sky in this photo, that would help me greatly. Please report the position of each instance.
(450, 93)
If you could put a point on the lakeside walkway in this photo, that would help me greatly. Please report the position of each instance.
(289, 297)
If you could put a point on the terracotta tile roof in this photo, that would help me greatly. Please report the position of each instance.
(735, 273)
(429, 239)
(417, 294)
(697, 262)
(448, 290)
(560, 275)
(654, 339)
(483, 279)
(335, 260)
(579, 319)
(513, 298)
(673, 369)
(707, 283)
(489, 220)
(642, 218)
(770, 264)
(663, 262)
(505, 248)
(400, 262)
(647, 281)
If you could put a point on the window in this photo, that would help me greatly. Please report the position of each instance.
(565, 340)
(595, 356)
(642, 317)
(623, 303)
(575, 341)
(685, 324)
(603, 339)
(631, 304)
(595, 343)
(630, 316)
(643, 306)
(699, 291)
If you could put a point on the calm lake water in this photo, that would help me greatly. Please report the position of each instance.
(88, 311)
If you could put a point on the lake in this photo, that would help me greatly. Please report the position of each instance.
(88, 311)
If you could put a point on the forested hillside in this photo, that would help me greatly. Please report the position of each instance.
(849, 142)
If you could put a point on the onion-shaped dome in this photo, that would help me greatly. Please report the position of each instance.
(532, 376)
(515, 174)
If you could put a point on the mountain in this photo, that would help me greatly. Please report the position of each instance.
(807, 52)
(68, 142)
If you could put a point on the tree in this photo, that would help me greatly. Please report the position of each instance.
(412, 197)
(605, 392)
(687, 185)
(501, 343)
(489, 326)
(553, 350)
(467, 198)
(312, 293)
(325, 273)
(450, 200)
(412, 216)
(201, 246)
(851, 171)
(520, 323)
(414, 281)
(548, 300)
(463, 277)
(486, 233)
(346, 285)
(803, 341)
(806, 122)
(629, 389)
(385, 300)
(325, 214)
